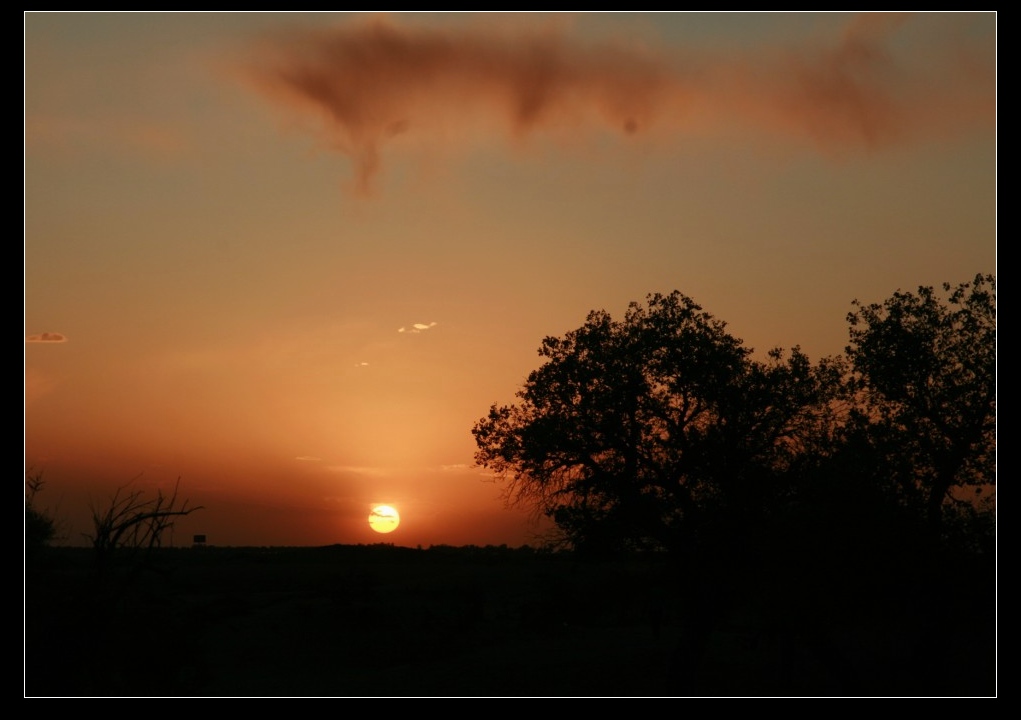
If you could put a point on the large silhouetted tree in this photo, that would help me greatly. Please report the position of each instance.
(642, 432)
(925, 373)
(769, 481)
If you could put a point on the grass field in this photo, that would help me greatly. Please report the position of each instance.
(384, 621)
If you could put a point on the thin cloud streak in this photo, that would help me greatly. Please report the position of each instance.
(373, 80)
(46, 337)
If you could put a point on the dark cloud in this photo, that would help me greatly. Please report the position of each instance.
(372, 80)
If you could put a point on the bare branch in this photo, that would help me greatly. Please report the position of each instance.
(133, 524)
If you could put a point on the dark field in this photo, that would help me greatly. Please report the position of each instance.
(388, 621)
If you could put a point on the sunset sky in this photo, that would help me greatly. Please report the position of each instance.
(291, 259)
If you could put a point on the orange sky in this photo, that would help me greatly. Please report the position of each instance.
(291, 259)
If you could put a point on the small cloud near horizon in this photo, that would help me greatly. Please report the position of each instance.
(46, 337)
(416, 328)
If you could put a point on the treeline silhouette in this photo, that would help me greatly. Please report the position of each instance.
(725, 526)
(816, 501)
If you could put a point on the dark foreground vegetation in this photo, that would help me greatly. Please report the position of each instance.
(815, 618)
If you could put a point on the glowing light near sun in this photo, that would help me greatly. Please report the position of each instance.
(384, 519)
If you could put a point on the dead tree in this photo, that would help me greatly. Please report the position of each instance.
(132, 527)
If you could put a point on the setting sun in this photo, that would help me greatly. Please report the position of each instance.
(384, 519)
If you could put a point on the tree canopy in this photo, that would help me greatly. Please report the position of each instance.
(642, 431)
(634, 433)
(925, 373)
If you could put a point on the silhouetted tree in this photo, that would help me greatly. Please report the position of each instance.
(639, 433)
(924, 370)
(786, 486)
(661, 431)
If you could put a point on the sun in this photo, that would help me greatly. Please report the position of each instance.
(384, 519)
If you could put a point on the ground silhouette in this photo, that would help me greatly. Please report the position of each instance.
(380, 620)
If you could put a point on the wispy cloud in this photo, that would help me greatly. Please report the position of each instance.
(308, 458)
(46, 337)
(416, 328)
(372, 80)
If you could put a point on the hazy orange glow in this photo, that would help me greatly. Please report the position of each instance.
(205, 299)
